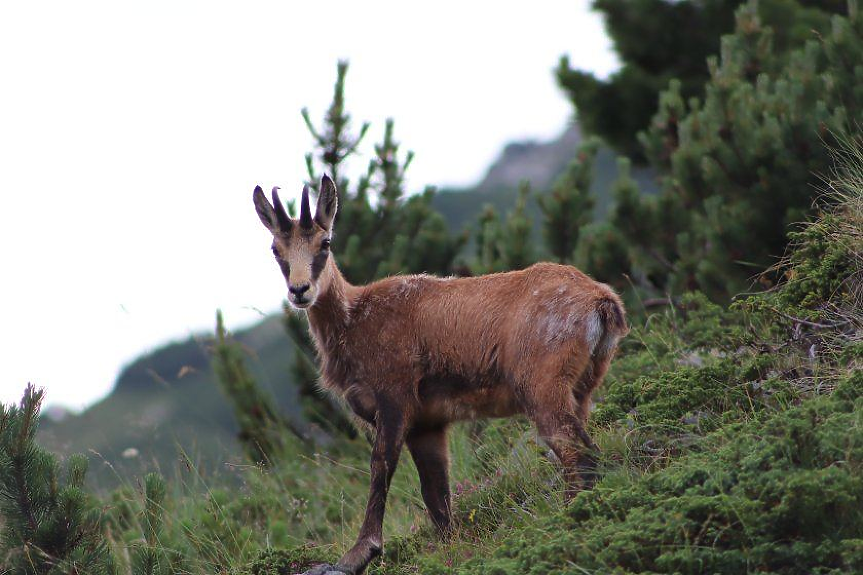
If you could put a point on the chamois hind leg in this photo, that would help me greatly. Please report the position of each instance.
(390, 426)
(551, 405)
(429, 450)
(590, 379)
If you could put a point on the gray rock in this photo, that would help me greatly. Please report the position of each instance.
(325, 569)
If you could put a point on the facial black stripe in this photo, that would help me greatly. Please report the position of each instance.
(318, 263)
(283, 265)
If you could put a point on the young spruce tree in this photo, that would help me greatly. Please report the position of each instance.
(379, 230)
(504, 244)
(48, 523)
(738, 167)
(569, 205)
(661, 40)
(262, 428)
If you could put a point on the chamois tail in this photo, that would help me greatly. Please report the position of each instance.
(606, 326)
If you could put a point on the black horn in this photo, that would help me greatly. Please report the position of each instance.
(305, 210)
(281, 215)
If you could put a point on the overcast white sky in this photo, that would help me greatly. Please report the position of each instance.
(132, 135)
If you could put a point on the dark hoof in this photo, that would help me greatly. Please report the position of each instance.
(588, 479)
(587, 470)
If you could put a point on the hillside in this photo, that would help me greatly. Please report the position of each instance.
(167, 402)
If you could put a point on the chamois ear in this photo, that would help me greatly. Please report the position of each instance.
(328, 203)
(265, 210)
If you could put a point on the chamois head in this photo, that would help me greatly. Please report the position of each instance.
(301, 246)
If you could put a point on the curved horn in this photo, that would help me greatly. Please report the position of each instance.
(281, 215)
(305, 210)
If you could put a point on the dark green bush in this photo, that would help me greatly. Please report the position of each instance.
(780, 495)
(48, 522)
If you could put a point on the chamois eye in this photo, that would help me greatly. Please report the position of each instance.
(275, 252)
(325, 245)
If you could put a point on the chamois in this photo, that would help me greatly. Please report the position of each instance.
(412, 354)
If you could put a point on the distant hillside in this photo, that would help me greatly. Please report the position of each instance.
(539, 163)
(168, 399)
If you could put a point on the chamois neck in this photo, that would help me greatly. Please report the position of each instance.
(329, 315)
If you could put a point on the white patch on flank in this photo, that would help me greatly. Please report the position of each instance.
(558, 325)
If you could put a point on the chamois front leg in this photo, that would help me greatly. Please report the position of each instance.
(390, 427)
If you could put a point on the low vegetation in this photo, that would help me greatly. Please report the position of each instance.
(732, 442)
(731, 427)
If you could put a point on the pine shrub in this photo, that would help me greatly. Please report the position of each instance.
(50, 524)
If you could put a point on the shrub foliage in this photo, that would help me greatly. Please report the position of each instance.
(731, 434)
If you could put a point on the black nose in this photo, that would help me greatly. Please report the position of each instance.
(299, 290)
